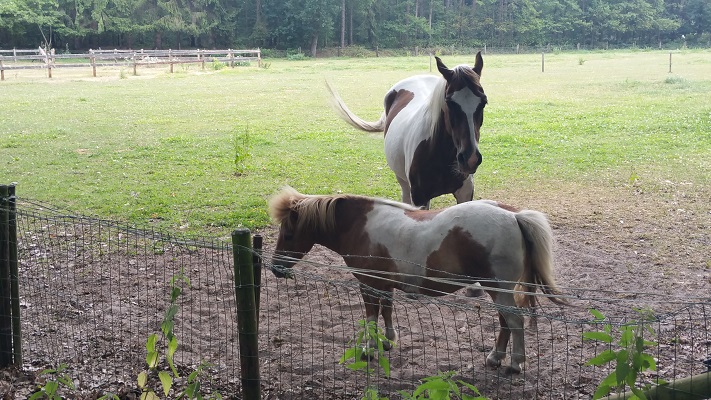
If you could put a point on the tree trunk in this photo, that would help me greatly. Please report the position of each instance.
(314, 44)
(350, 26)
(157, 40)
(343, 23)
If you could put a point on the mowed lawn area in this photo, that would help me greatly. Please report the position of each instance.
(159, 149)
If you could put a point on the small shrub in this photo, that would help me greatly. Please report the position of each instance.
(581, 61)
(630, 360)
(296, 56)
(242, 148)
(56, 379)
(218, 65)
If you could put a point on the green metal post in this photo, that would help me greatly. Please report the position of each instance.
(5, 308)
(14, 280)
(246, 314)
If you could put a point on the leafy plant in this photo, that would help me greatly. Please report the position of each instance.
(218, 65)
(630, 360)
(192, 391)
(153, 356)
(442, 387)
(369, 342)
(56, 378)
(242, 150)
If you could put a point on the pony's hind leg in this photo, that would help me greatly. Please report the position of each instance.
(511, 324)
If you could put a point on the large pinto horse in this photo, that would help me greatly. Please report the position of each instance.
(431, 125)
(391, 245)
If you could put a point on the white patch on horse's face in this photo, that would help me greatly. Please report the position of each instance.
(468, 102)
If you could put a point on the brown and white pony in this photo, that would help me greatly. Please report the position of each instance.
(431, 125)
(392, 245)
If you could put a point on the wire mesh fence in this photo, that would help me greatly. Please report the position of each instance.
(92, 291)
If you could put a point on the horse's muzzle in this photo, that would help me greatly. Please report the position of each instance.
(470, 164)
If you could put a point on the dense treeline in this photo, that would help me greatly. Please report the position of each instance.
(312, 24)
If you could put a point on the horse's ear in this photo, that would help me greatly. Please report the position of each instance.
(479, 64)
(446, 72)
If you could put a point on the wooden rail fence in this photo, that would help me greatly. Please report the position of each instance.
(39, 59)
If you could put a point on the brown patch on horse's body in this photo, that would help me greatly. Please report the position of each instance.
(458, 257)
(395, 101)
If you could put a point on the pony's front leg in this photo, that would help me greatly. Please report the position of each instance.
(390, 331)
(372, 309)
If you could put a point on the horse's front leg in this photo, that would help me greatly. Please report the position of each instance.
(387, 309)
(465, 192)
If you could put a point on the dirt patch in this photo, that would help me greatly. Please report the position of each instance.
(92, 293)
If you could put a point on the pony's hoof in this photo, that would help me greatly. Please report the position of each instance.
(510, 370)
(492, 362)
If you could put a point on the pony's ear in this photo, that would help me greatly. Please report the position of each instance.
(446, 72)
(479, 64)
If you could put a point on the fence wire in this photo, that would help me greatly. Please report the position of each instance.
(92, 291)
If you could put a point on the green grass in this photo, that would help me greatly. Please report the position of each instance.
(158, 148)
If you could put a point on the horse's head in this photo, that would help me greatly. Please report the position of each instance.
(464, 111)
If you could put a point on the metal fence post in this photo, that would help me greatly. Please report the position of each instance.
(5, 298)
(246, 314)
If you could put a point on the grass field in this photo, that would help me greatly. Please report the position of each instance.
(159, 148)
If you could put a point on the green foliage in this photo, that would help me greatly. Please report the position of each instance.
(56, 379)
(170, 342)
(242, 148)
(218, 65)
(630, 360)
(369, 343)
(443, 387)
(296, 56)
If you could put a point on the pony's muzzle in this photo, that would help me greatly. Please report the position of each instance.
(281, 271)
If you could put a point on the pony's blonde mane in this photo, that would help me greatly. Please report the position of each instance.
(316, 212)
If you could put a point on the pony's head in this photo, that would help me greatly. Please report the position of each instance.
(464, 102)
(301, 218)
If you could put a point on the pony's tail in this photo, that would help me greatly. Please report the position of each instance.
(352, 119)
(538, 272)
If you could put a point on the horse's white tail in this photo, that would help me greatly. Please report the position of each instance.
(538, 271)
(354, 120)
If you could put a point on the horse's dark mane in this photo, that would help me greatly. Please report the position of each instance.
(316, 212)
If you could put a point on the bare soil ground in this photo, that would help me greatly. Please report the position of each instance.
(91, 295)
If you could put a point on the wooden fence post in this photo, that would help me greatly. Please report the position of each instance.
(2, 71)
(543, 61)
(246, 314)
(170, 59)
(135, 73)
(232, 58)
(670, 55)
(92, 61)
(14, 280)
